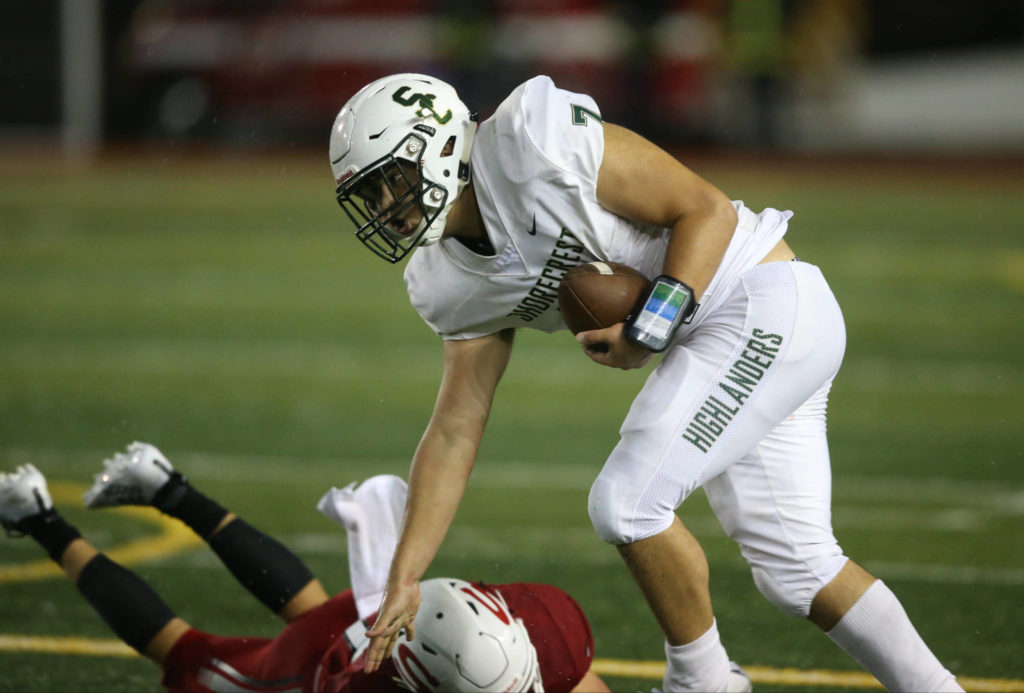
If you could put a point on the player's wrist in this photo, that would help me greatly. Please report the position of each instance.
(401, 577)
(659, 313)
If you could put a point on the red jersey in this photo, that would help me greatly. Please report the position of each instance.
(322, 650)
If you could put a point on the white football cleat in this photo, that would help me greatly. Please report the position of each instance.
(23, 493)
(739, 682)
(129, 478)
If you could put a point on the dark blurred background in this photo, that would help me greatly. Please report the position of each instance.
(174, 268)
(800, 75)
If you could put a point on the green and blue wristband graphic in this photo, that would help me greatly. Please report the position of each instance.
(669, 302)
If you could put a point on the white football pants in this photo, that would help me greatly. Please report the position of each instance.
(739, 408)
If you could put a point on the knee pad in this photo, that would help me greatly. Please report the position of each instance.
(619, 518)
(601, 507)
(792, 588)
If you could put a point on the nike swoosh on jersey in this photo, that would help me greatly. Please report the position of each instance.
(533, 230)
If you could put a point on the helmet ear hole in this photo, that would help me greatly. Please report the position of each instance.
(449, 147)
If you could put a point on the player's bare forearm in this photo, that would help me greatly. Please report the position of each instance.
(591, 683)
(699, 240)
(640, 181)
(447, 451)
(437, 479)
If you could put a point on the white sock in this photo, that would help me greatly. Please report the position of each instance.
(878, 634)
(701, 665)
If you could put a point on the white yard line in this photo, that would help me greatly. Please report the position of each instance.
(495, 473)
(887, 504)
(947, 574)
(332, 361)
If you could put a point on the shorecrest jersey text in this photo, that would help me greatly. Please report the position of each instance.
(567, 253)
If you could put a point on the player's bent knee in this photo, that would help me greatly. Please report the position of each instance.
(793, 588)
(604, 515)
(614, 514)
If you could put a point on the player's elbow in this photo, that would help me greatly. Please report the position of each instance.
(709, 204)
(724, 209)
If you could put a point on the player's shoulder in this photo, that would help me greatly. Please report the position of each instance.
(545, 103)
(539, 96)
(562, 126)
(423, 293)
(429, 271)
(437, 287)
(538, 595)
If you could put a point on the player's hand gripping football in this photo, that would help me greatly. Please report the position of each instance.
(609, 347)
(397, 611)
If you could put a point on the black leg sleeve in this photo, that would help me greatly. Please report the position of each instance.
(264, 566)
(124, 601)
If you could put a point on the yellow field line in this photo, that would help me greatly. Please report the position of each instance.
(95, 647)
(796, 677)
(173, 537)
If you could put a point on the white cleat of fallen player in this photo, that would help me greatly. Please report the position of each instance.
(129, 478)
(23, 493)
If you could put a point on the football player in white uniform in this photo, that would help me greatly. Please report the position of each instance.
(752, 339)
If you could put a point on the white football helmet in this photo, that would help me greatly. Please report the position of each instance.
(467, 641)
(411, 133)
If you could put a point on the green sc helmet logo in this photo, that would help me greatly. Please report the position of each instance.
(425, 104)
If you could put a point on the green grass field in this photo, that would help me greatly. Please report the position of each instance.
(218, 310)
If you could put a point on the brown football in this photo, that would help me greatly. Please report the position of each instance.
(595, 295)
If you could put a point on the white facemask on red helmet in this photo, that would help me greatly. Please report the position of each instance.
(466, 641)
(413, 134)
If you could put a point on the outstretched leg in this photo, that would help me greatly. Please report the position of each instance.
(799, 566)
(265, 567)
(123, 600)
(862, 615)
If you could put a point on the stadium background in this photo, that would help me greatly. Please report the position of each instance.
(173, 268)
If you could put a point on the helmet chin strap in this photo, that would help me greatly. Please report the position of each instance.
(436, 229)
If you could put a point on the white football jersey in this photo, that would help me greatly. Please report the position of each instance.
(534, 171)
